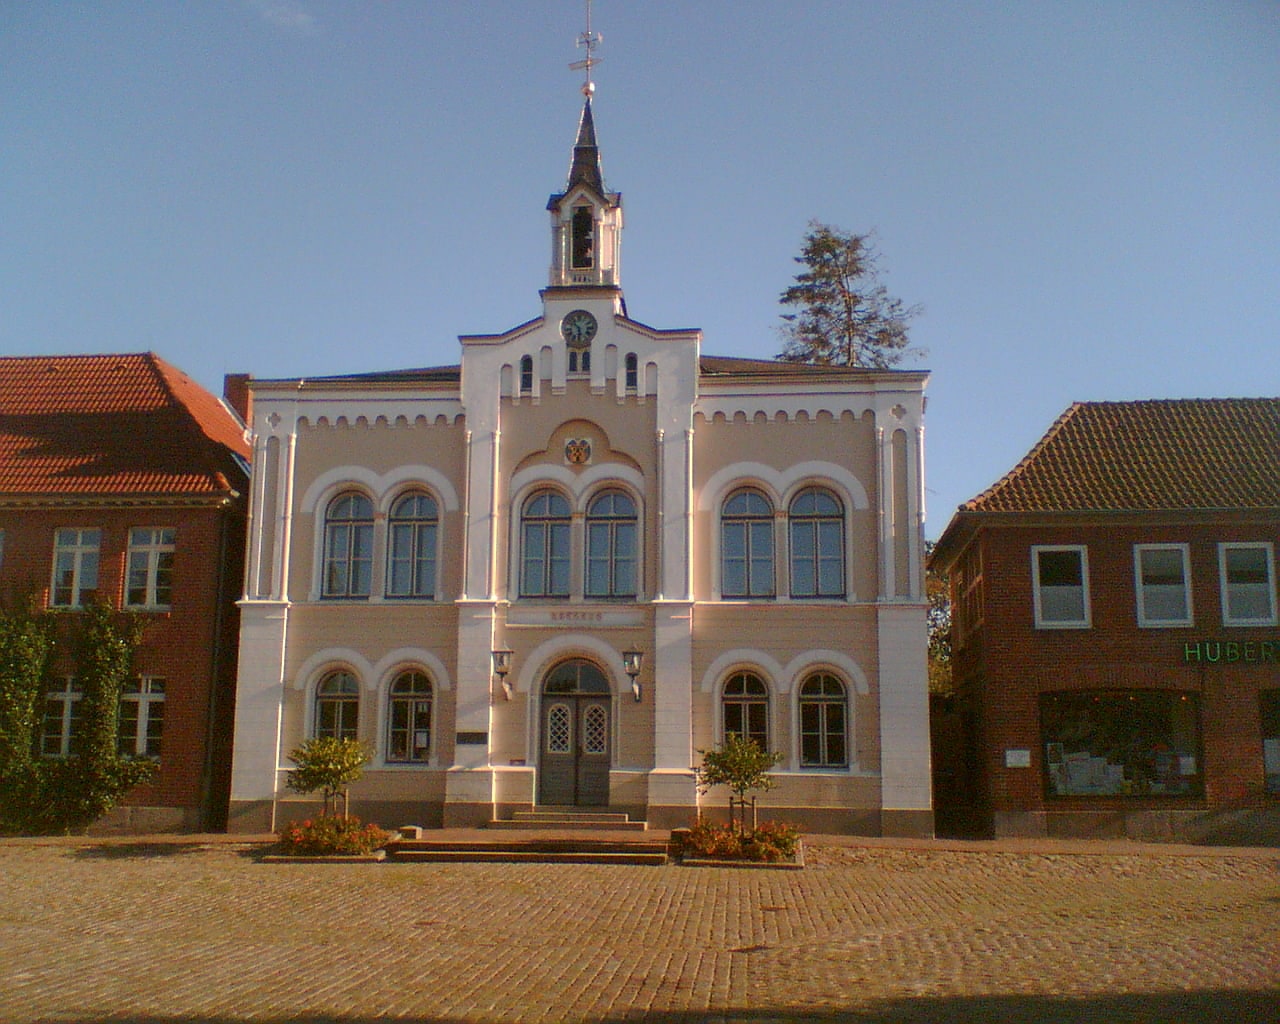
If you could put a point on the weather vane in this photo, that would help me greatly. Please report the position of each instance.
(588, 40)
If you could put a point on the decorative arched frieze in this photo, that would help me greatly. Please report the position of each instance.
(379, 485)
(576, 483)
(780, 484)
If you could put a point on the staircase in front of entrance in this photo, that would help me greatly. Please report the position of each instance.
(547, 835)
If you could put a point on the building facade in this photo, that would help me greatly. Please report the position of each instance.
(550, 575)
(122, 480)
(1114, 627)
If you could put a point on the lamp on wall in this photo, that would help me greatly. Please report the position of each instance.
(631, 662)
(501, 666)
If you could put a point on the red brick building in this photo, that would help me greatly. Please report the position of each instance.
(1115, 640)
(122, 479)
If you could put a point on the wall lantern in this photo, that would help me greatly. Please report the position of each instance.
(501, 666)
(631, 662)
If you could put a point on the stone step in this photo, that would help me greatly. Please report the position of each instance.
(517, 856)
(566, 825)
(578, 850)
(558, 814)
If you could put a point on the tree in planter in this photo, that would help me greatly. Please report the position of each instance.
(742, 765)
(329, 765)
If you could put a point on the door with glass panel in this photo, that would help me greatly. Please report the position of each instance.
(575, 742)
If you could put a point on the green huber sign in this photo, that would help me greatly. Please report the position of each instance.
(1231, 652)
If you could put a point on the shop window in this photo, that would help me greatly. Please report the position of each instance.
(150, 583)
(746, 546)
(1248, 584)
(1060, 585)
(1270, 701)
(746, 708)
(409, 718)
(611, 546)
(338, 706)
(817, 544)
(141, 720)
(1163, 576)
(75, 568)
(823, 716)
(411, 554)
(348, 546)
(1137, 743)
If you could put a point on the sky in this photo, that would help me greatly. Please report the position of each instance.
(1084, 198)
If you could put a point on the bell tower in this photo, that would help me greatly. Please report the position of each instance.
(586, 219)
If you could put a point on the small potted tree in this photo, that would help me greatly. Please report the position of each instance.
(329, 765)
(743, 766)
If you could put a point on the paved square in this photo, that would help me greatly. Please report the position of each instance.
(196, 929)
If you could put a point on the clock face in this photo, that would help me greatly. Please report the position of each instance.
(578, 327)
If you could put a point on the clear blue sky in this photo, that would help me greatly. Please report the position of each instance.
(1085, 197)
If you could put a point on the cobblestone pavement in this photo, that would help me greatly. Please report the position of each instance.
(200, 930)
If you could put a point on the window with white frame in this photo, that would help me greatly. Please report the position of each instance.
(141, 719)
(746, 546)
(745, 708)
(1162, 574)
(409, 718)
(1060, 586)
(348, 546)
(411, 547)
(337, 711)
(1248, 581)
(75, 567)
(150, 580)
(823, 722)
(817, 544)
(611, 546)
(60, 725)
(545, 546)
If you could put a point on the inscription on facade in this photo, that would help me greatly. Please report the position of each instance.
(1231, 652)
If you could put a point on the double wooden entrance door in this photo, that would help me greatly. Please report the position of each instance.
(575, 746)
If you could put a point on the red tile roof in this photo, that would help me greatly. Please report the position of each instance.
(1183, 454)
(113, 425)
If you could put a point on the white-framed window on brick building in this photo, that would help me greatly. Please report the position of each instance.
(150, 582)
(1248, 579)
(60, 726)
(75, 567)
(1162, 580)
(1060, 586)
(141, 718)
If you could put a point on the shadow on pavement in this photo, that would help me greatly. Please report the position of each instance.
(146, 850)
(1157, 1008)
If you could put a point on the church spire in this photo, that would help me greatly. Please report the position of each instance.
(585, 169)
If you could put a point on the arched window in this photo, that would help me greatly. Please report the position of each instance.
(338, 706)
(611, 546)
(544, 546)
(746, 708)
(348, 546)
(526, 375)
(631, 368)
(817, 544)
(409, 718)
(746, 546)
(823, 722)
(411, 543)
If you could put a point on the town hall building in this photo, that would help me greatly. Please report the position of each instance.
(551, 575)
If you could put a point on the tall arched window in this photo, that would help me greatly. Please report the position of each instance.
(544, 546)
(338, 706)
(611, 546)
(526, 375)
(348, 546)
(631, 369)
(411, 547)
(409, 718)
(817, 544)
(746, 546)
(823, 722)
(746, 708)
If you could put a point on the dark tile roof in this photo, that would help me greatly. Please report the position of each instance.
(1176, 454)
(113, 425)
